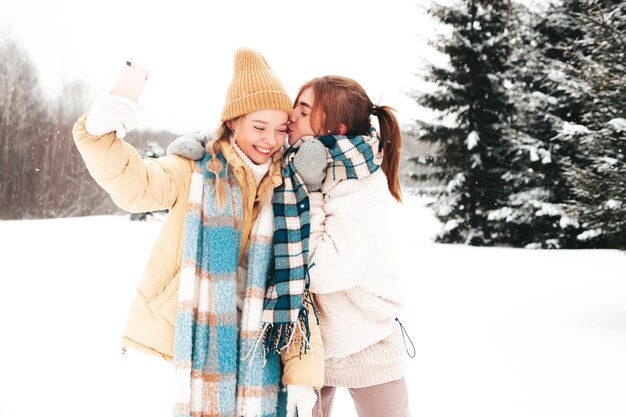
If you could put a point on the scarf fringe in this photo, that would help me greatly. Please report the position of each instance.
(277, 337)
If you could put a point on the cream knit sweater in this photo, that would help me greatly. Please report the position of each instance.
(354, 280)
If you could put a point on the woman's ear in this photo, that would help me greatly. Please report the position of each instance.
(342, 129)
(232, 124)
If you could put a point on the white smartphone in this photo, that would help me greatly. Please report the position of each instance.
(131, 81)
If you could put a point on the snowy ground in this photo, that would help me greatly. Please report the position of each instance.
(499, 332)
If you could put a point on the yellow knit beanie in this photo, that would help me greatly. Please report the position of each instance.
(254, 87)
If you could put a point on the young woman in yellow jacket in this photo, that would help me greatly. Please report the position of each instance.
(207, 300)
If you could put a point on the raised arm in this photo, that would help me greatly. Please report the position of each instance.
(135, 184)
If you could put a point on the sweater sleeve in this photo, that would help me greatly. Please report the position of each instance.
(135, 184)
(339, 235)
(306, 368)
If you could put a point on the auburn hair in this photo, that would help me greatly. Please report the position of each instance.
(341, 100)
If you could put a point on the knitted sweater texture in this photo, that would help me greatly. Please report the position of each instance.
(354, 280)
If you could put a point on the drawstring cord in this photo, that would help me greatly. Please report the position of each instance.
(307, 285)
(404, 332)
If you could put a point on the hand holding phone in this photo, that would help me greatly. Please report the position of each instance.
(117, 112)
(131, 81)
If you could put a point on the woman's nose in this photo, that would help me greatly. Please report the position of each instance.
(270, 139)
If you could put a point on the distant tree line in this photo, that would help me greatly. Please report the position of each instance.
(531, 135)
(41, 173)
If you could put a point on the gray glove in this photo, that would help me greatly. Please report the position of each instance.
(189, 146)
(310, 163)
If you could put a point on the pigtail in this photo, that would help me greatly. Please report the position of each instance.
(392, 142)
(215, 166)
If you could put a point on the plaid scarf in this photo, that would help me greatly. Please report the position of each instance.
(215, 373)
(349, 157)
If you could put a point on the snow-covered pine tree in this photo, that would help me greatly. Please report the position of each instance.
(602, 59)
(542, 95)
(475, 114)
(597, 175)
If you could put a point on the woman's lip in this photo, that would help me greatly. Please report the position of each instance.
(262, 153)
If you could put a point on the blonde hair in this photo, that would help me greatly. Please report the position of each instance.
(225, 133)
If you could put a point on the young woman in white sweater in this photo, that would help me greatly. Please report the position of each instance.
(351, 266)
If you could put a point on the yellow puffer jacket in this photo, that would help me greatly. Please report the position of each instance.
(141, 185)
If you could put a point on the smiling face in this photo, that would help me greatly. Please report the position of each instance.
(301, 123)
(261, 133)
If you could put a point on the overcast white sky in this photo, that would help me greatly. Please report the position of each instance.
(188, 47)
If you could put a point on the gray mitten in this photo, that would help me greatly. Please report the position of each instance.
(310, 163)
(189, 146)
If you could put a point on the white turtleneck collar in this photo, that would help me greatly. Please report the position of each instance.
(258, 170)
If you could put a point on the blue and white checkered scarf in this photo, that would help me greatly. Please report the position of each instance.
(215, 374)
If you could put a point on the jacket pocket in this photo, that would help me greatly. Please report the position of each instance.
(165, 294)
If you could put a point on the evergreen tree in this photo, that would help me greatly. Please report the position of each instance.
(601, 60)
(473, 148)
(536, 211)
(571, 98)
(533, 154)
(597, 175)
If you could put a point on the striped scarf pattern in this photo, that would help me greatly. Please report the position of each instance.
(216, 373)
(348, 157)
